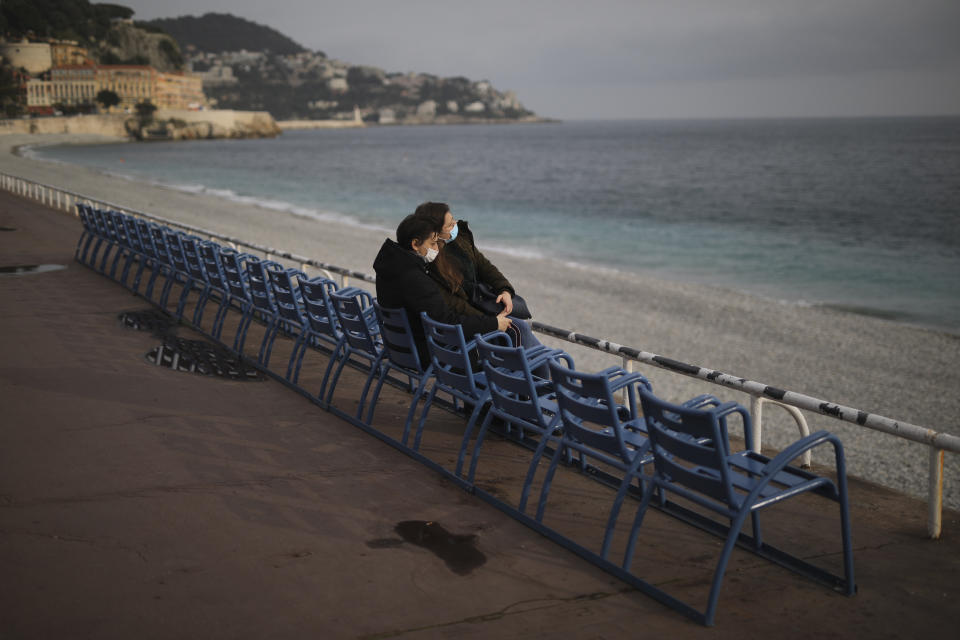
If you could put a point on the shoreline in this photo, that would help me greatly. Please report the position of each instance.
(902, 319)
(888, 368)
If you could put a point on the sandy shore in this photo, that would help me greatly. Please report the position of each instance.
(901, 372)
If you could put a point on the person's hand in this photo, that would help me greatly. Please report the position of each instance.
(503, 322)
(507, 301)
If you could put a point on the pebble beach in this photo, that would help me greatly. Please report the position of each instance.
(902, 372)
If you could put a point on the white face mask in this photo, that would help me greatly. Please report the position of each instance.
(431, 255)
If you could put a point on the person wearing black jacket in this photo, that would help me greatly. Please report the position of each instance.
(403, 281)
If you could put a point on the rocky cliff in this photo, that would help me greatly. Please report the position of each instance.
(165, 125)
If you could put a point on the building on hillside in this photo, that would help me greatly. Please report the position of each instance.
(34, 57)
(78, 86)
(67, 53)
(178, 91)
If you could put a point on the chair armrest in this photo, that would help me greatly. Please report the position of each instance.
(618, 381)
(701, 401)
(782, 459)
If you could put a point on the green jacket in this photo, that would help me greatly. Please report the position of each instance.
(474, 267)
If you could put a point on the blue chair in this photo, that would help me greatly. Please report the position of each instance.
(289, 306)
(176, 265)
(216, 279)
(99, 234)
(450, 358)
(322, 326)
(111, 236)
(85, 212)
(402, 356)
(193, 265)
(137, 254)
(518, 397)
(692, 459)
(597, 427)
(122, 240)
(261, 296)
(358, 321)
(232, 267)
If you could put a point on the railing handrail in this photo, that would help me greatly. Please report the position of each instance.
(938, 441)
(907, 430)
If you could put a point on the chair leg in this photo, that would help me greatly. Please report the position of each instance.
(266, 344)
(423, 418)
(532, 470)
(618, 501)
(728, 546)
(637, 521)
(476, 447)
(412, 411)
(334, 357)
(374, 369)
(344, 355)
(297, 344)
(547, 480)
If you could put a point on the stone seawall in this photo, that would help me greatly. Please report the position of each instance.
(171, 124)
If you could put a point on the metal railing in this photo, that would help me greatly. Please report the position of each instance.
(760, 394)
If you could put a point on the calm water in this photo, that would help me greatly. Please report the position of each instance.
(862, 214)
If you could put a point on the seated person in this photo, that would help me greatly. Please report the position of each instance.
(403, 281)
(460, 267)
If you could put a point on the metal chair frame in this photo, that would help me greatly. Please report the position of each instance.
(692, 459)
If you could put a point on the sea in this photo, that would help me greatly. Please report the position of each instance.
(860, 214)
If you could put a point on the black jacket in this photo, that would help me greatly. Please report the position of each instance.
(403, 281)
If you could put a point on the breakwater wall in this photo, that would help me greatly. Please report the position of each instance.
(170, 124)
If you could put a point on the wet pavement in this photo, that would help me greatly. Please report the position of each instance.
(151, 501)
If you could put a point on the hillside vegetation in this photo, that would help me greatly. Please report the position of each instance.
(216, 32)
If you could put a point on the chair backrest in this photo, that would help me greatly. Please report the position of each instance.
(398, 338)
(231, 265)
(86, 217)
(212, 266)
(100, 222)
(120, 228)
(589, 411)
(318, 307)
(258, 283)
(133, 234)
(513, 388)
(450, 355)
(191, 257)
(682, 437)
(285, 294)
(354, 309)
(157, 234)
(174, 242)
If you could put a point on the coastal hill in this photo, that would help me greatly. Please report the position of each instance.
(249, 66)
(105, 31)
(216, 32)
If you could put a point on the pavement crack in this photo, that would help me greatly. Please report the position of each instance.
(513, 609)
(103, 544)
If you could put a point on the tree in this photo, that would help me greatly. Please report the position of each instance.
(108, 98)
(145, 111)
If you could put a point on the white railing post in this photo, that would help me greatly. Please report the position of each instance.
(935, 495)
(756, 428)
(627, 364)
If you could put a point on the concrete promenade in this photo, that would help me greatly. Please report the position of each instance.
(141, 502)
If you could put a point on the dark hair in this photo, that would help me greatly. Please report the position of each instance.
(436, 213)
(414, 228)
(433, 211)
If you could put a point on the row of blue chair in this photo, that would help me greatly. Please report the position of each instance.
(656, 448)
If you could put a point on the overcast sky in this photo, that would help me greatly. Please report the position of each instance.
(643, 58)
